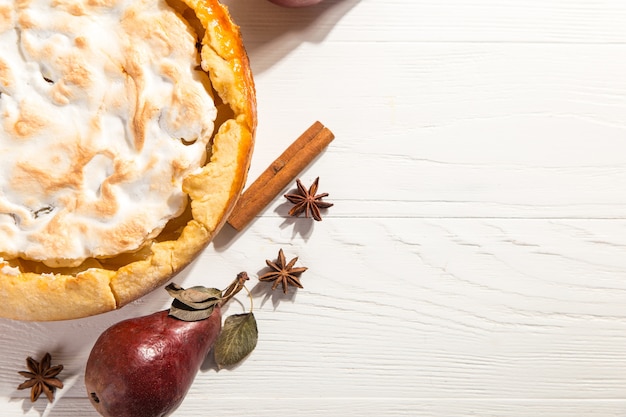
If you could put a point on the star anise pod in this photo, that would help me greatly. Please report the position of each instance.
(41, 378)
(283, 273)
(307, 201)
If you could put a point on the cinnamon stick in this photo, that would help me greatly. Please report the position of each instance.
(280, 174)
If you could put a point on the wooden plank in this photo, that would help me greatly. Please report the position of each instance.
(528, 21)
(388, 407)
(524, 131)
(436, 307)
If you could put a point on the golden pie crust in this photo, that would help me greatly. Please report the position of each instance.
(31, 291)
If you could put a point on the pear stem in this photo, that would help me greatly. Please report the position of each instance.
(250, 297)
(235, 287)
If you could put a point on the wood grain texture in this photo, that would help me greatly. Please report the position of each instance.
(365, 407)
(473, 263)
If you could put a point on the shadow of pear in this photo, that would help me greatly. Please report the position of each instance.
(271, 32)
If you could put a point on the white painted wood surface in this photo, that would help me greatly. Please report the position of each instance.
(474, 263)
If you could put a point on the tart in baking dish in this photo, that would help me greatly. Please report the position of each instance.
(126, 130)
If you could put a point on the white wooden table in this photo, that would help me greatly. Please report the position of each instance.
(474, 263)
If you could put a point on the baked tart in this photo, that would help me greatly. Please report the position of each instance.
(126, 133)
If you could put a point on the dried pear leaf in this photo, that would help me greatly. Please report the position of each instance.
(237, 339)
(202, 305)
(173, 289)
(195, 297)
(199, 294)
(183, 312)
(193, 304)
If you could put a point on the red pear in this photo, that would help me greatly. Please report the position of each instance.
(144, 366)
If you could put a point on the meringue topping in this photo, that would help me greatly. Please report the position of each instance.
(103, 111)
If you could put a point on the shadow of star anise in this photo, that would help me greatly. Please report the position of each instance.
(307, 201)
(283, 273)
(41, 378)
